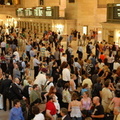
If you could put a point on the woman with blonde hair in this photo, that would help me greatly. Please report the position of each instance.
(86, 104)
(72, 83)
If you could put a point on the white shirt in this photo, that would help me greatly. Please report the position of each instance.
(66, 74)
(77, 65)
(100, 65)
(49, 86)
(115, 65)
(63, 117)
(63, 59)
(40, 80)
(39, 116)
(3, 44)
(80, 48)
(35, 62)
(17, 57)
(88, 81)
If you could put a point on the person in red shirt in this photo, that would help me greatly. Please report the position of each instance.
(50, 108)
(102, 56)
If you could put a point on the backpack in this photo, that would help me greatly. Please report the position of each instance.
(46, 85)
(51, 39)
(25, 91)
(60, 38)
(20, 65)
(67, 51)
(9, 93)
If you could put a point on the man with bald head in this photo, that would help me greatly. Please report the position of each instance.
(16, 90)
(98, 112)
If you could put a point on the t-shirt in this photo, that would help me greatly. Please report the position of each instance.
(98, 110)
(39, 116)
(87, 81)
(96, 90)
(50, 106)
(40, 80)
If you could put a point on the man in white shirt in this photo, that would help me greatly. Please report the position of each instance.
(49, 83)
(116, 65)
(40, 80)
(36, 64)
(17, 56)
(66, 74)
(63, 58)
(3, 46)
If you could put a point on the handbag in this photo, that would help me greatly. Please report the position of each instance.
(111, 106)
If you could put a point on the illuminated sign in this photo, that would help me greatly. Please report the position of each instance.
(48, 11)
(28, 12)
(20, 12)
(38, 11)
(41, 12)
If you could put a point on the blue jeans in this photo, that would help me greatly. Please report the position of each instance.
(76, 118)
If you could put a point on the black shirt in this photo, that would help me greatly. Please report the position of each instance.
(96, 89)
(98, 110)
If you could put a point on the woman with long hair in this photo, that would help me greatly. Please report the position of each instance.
(66, 96)
(86, 104)
(52, 91)
(75, 108)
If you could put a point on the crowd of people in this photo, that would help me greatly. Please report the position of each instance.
(70, 88)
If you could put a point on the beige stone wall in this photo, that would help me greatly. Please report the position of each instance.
(90, 15)
(29, 3)
(117, 1)
(71, 10)
(107, 30)
(51, 2)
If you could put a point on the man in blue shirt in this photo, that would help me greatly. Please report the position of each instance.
(16, 111)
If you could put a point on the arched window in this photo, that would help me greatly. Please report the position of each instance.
(71, 1)
(41, 2)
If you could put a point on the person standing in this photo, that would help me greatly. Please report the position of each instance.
(50, 108)
(75, 108)
(84, 39)
(34, 93)
(16, 90)
(28, 48)
(106, 96)
(37, 113)
(64, 114)
(98, 112)
(80, 51)
(79, 39)
(16, 72)
(4, 87)
(36, 64)
(17, 56)
(66, 74)
(16, 111)
(3, 46)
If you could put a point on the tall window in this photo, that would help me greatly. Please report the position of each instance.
(71, 1)
(41, 2)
